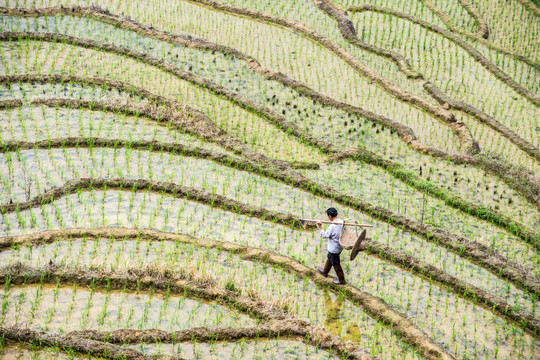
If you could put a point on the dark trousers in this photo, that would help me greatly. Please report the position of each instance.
(334, 258)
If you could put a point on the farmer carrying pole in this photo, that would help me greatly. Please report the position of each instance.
(334, 248)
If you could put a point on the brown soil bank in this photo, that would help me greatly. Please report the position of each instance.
(405, 133)
(277, 321)
(476, 252)
(347, 30)
(483, 29)
(302, 30)
(283, 329)
(394, 256)
(441, 97)
(190, 120)
(229, 142)
(71, 343)
(402, 259)
(139, 280)
(10, 104)
(523, 186)
(176, 148)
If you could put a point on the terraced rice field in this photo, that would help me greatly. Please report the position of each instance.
(155, 157)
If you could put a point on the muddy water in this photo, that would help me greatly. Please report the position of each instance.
(491, 142)
(417, 298)
(168, 86)
(260, 349)
(219, 68)
(63, 309)
(40, 123)
(358, 179)
(235, 75)
(250, 128)
(30, 123)
(303, 298)
(14, 351)
(443, 62)
(59, 165)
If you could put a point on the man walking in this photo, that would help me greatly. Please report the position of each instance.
(334, 249)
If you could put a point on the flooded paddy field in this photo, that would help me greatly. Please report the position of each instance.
(154, 168)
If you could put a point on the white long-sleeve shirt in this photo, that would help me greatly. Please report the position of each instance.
(332, 234)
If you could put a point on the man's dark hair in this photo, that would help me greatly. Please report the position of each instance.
(331, 212)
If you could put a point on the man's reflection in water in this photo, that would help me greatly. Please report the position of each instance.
(333, 323)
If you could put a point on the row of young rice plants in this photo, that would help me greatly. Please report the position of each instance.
(302, 298)
(521, 158)
(56, 166)
(459, 16)
(282, 191)
(515, 155)
(61, 309)
(426, 304)
(417, 8)
(511, 24)
(27, 185)
(459, 21)
(259, 349)
(288, 47)
(45, 123)
(453, 70)
(305, 12)
(404, 154)
(357, 178)
(494, 144)
(521, 71)
(333, 125)
(248, 127)
(28, 169)
(524, 73)
(379, 62)
(449, 175)
(252, 349)
(231, 73)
